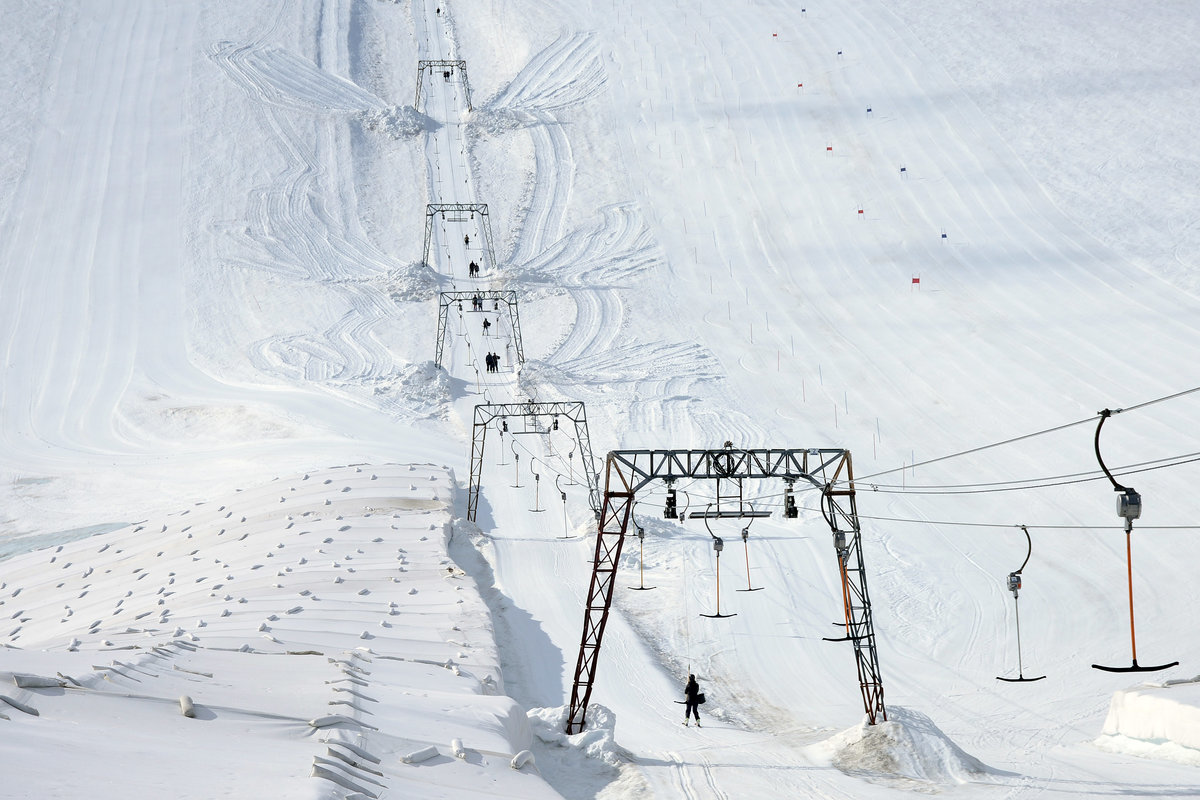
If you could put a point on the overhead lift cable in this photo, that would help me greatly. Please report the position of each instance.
(1033, 483)
(1023, 437)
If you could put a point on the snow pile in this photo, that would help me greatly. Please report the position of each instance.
(597, 741)
(1155, 721)
(488, 121)
(585, 765)
(398, 122)
(412, 282)
(416, 391)
(908, 746)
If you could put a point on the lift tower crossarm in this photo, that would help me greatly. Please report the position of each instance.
(530, 412)
(648, 465)
(433, 66)
(828, 469)
(506, 296)
(434, 209)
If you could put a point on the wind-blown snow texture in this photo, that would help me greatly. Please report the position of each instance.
(902, 227)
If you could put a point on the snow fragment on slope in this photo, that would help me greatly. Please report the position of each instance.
(909, 746)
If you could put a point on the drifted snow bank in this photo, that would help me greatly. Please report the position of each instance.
(908, 747)
(1155, 721)
(584, 765)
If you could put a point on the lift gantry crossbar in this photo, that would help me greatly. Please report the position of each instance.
(534, 416)
(448, 210)
(829, 470)
(489, 297)
(447, 69)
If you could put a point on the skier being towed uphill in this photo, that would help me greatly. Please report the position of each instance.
(691, 707)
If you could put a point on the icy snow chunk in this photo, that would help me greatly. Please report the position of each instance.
(36, 682)
(1151, 721)
(417, 756)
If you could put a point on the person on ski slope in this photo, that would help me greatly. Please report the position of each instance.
(691, 694)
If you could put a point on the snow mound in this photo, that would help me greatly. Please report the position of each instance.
(398, 122)
(908, 746)
(412, 282)
(1155, 721)
(584, 765)
(598, 739)
(424, 386)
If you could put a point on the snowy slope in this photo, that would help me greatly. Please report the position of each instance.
(212, 222)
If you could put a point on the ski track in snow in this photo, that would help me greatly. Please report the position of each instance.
(292, 230)
(280, 78)
(598, 351)
(661, 344)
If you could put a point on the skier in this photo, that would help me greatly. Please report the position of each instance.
(691, 694)
(467, 239)
(486, 325)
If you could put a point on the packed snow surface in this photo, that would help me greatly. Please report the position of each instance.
(235, 453)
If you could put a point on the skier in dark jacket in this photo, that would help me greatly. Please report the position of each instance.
(691, 694)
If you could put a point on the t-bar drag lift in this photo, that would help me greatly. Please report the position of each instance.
(1014, 586)
(1129, 508)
